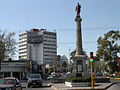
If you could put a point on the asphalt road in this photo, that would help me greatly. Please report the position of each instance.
(115, 80)
(43, 88)
(116, 85)
(46, 86)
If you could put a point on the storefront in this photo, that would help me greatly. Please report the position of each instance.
(18, 69)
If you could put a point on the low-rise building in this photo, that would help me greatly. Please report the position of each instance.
(17, 68)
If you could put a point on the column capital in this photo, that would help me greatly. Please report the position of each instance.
(78, 19)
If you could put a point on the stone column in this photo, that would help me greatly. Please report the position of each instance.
(78, 36)
(79, 59)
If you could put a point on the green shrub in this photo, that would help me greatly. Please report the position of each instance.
(78, 79)
(118, 75)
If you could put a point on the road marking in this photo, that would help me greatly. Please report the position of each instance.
(54, 88)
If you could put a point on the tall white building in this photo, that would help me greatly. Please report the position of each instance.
(38, 45)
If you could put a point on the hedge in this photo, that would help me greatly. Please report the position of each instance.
(78, 79)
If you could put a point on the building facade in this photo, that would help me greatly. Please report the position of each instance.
(39, 46)
(63, 59)
(16, 68)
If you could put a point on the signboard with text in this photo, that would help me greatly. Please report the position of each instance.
(79, 68)
(34, 38)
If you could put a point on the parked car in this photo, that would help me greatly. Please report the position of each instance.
(99, 74)
(52, 76)
(34, 80)
(105, 74)
(10, 83)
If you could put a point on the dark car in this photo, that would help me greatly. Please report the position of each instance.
(10, 83)
(34, 80)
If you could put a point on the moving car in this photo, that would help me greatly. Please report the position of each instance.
(34, 80)
(10, 83)
(52, 76)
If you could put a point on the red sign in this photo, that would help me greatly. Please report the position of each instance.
(118, 58)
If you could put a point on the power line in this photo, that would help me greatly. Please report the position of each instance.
(68, 43)
(70, 29)
(90, 28)
(74, 42)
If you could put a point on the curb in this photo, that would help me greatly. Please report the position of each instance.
(84, 88)
(79, 88)
(112, 77)
(87, 89)
(109, 86)
(115, 78)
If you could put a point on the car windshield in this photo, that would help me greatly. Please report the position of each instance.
(34, 76)
(7, 81)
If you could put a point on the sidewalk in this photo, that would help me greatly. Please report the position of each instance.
(98, 86)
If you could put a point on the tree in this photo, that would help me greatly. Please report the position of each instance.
(9, 44)
(50, 70)
(108, 47)
(2, 51)
(64, 64)
(99, 66)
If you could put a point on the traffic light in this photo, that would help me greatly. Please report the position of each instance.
(91, 57)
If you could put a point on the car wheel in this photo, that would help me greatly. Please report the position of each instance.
(28, 86)
(21, 88)
(41, 85)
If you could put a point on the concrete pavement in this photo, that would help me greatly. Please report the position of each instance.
(98, 86)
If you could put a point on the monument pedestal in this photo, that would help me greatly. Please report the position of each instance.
(79, 66)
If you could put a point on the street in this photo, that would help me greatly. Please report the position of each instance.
(43, 88)
(46, 86)
(116, 85)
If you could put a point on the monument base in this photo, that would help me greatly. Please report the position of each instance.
(78, 80)
(75, 74)
(80, 84)
(79, 68)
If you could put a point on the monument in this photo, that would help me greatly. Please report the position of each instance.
(79, 61)
(79, 76)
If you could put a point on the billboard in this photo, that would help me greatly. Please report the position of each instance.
(34, 38)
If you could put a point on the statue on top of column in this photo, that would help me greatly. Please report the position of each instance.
(77, 9)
